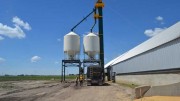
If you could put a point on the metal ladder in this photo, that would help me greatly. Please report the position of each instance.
(91, 72)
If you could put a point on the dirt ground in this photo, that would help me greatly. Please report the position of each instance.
(56, 91)
(160, 98)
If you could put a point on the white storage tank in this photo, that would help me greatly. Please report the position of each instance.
(71, 45)
(91, 45)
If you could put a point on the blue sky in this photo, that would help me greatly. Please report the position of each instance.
(31, 31)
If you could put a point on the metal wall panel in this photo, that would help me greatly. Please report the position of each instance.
(166, 56)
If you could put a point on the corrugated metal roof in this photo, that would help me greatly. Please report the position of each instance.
(165, 36)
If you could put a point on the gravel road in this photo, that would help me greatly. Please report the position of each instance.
(56, 91)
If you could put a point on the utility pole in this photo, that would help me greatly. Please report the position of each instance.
(99, 6)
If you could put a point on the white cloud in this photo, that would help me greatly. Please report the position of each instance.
(1, 38)
(16, 31)
(159, 18)
(59, 39)
(56, 62)
(20, 22)
(2, 60)
(35, 59)
(10, 32)
(151, 32)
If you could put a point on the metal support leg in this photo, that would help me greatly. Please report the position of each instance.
(66, 62)
(62, 71)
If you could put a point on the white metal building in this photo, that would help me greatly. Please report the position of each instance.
(160, 53)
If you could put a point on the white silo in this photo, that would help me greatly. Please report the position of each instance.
(91, 45)
(72, 45)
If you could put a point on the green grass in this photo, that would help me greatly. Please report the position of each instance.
(125, 84)
(34, 77)
(6, 85)
(71, 77)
